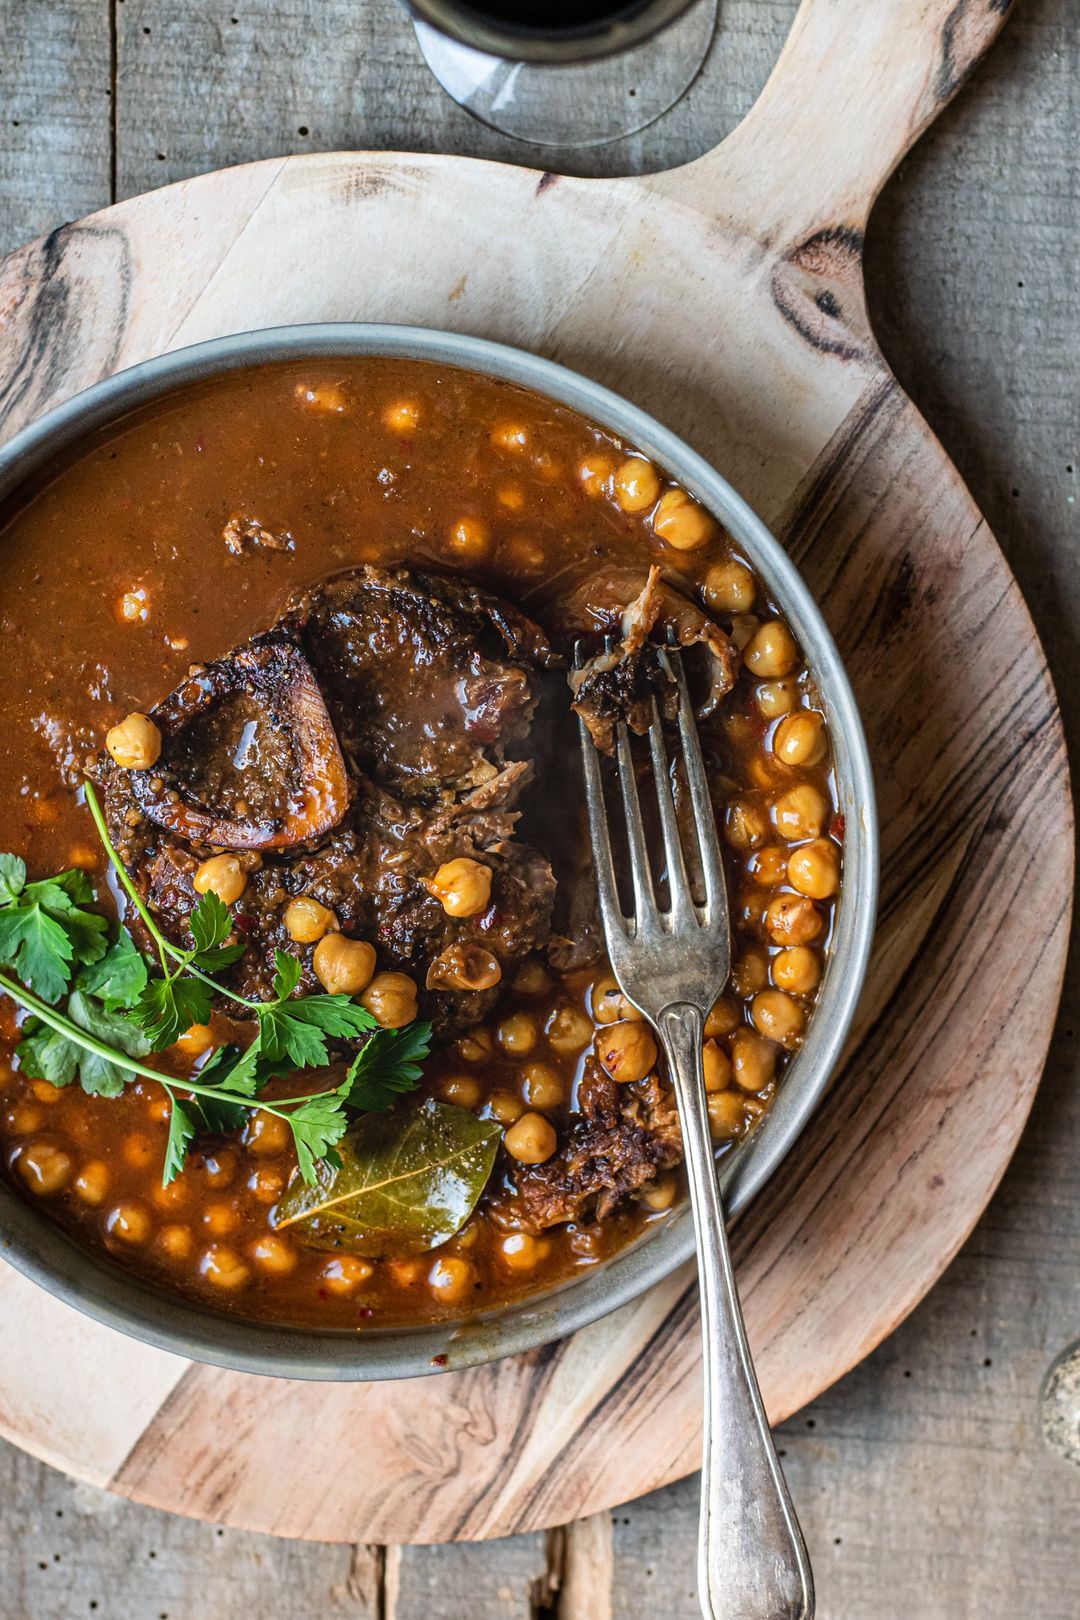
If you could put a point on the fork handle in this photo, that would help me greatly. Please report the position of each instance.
(752, 1561)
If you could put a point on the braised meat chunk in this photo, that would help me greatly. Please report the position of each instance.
(429, 679)
(349, 755)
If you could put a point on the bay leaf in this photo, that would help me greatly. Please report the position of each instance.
(407, 1181)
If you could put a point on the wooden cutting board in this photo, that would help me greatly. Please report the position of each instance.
(727, 298)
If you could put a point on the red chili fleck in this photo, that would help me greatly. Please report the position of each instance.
(200, 444)
(366, 1312)
(837, 828)
(440, 1361)
(244, 921)
(322, 1293)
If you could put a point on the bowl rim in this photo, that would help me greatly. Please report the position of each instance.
(46, 1254)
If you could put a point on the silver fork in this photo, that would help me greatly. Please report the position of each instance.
(672, 964)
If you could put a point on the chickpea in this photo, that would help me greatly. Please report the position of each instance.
(519, 1251)
(346, 1273)
(799, 739)
(608, 1003)
(92, 1182)
(779, 1018)
(464, 966)
(391, 1000)
(470, 539)
(138, 1150)
(219, 1168)
(768, 866)
(531, 1139)
(274, 1255)
(44, 1091)
(525, 554)
(45, 1167)
(328, 397)
(801, 812)
(128, 1222)
(134, 606)
(568, 1030)
(729, 587)
(797, 970)
(174, 1195)
(343, 966)
(746, 825)
(450, 1279)
(509, 436)
(135, 743)
(476, 1046)
(176, 1241)
(726, 1116)
(716, 1066)
(753, 1060)
(82, 855)
(196, 1041)
(266, 1135)
(542, 1086)
(681, 522)
(220, 1219)
(403, 416)
(405, 1273)
(752, 908)
(637, 485)
(505, 1107)
(814, 869)
(462, 887)
(750, 973)
(307, 919)
(512, 496)
(723, 1019)
(660, 1193)
(265, 1185)
(771, 651)
(626, 1050)
(461, 1089)
(792, 919)
(595, 474)
(224, 1268)
(517, 1034)
(221, 875)
(532, 979)
(776, 698)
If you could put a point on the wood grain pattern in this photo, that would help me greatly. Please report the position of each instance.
(789, 394)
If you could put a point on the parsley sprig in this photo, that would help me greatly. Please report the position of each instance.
(116, 1015)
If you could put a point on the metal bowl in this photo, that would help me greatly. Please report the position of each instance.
(44, 1252)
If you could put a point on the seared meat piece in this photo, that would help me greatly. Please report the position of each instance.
(251, 762)
(249, 756)
(618, 684)
(428, 679)
(625, 1134)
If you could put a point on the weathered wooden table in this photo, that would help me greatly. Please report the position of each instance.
(922, 1480)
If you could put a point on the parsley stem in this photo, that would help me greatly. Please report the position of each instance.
(165, 947)
(120, 1060)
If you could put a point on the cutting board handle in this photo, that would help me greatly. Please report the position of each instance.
(856, 84)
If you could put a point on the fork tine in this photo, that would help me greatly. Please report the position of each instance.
(640, 872)
(607, 890)
(682, 901)
(716, 897)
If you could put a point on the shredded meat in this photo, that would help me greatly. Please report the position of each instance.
(624, 1135)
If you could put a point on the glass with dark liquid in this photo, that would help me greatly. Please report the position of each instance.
(565, 74)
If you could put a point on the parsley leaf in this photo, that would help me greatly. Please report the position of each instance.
(289, 973)
(12, 878)
(46, 1054)
(389, 1065)
(119, 978)
(38, 948)
(210, 921)
(183, 1126)
(168, 1007)
(317, 1124)
(337, 1016)
(283, 1034)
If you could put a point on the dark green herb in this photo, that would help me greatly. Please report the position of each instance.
(406, 1182)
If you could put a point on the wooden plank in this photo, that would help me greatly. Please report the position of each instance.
(269, 77)
(984, 201)
(55, 115)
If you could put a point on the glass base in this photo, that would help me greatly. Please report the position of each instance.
(586, 105)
